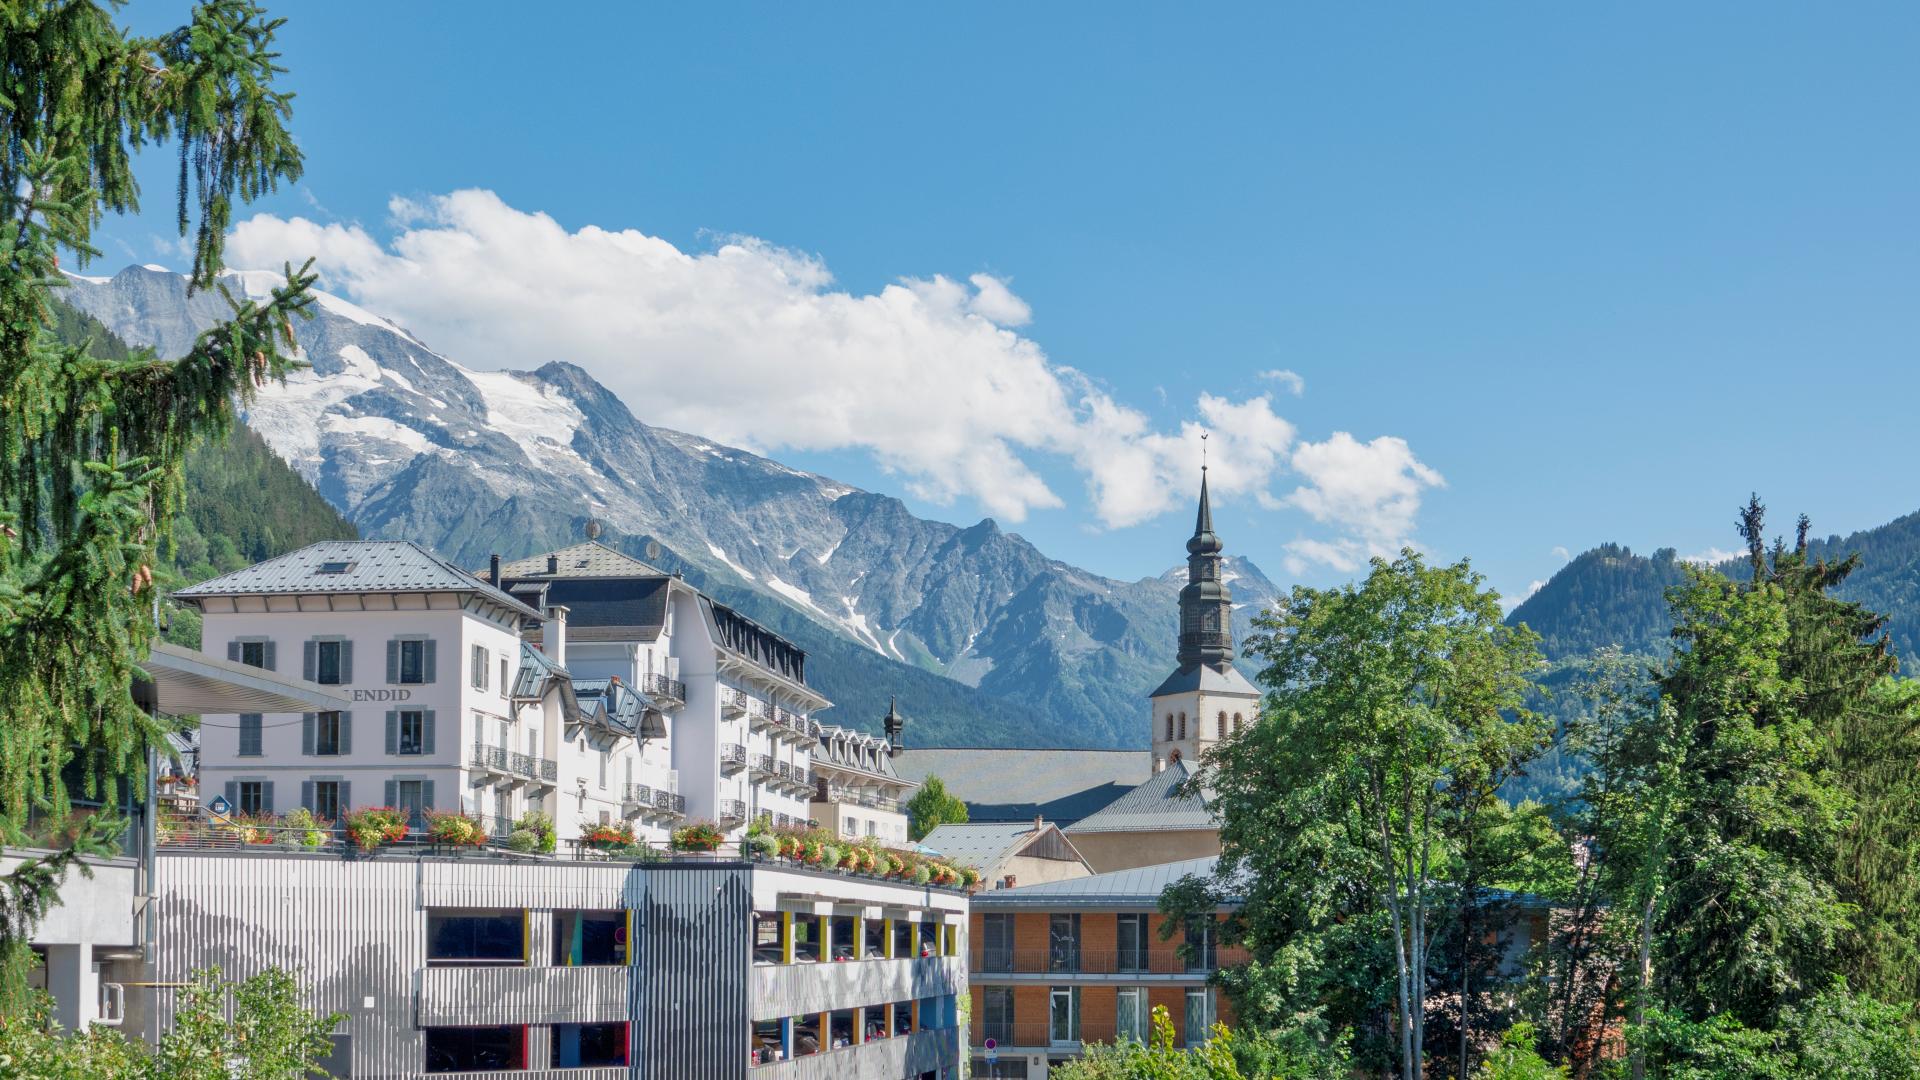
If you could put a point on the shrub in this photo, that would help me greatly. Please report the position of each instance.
(455, 829)
(376, 825)
(761, 845)
(299, 828)
(697, 836)
(525, 841)
(541, 826)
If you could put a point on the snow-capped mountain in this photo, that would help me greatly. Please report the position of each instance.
(408, 443)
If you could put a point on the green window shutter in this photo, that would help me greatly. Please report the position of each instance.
(306, 734)
(266, 798)
(233, 651)
(427, 661)
(306, 795)
(346, 662)
(393, 662)
(346, 733)
(426, 796)
(426, 732)
(309, 651)
(233, 796)
(266, 654)
(393, 793)
(346, 796)
(393, 738)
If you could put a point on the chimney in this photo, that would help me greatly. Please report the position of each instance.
(553, 635)
(1038, 823)
(493, 572)
(553, 564)
(1007, 882)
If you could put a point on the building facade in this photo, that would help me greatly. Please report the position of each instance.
(1059, 965)
(484, 966)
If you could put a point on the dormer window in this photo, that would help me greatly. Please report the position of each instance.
(335, 568)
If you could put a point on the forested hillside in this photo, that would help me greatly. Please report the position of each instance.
(243, 503)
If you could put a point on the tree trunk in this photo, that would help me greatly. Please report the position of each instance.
(1646, 981)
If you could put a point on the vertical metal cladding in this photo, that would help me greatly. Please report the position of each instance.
(689, 980)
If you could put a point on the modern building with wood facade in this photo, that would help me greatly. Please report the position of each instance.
(1059, 965)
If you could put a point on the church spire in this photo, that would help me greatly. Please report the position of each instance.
(1206, 607)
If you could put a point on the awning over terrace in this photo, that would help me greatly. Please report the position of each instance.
(190, 683)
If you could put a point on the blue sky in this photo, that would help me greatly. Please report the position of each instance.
(1604, 271)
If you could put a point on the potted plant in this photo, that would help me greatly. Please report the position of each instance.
(300, 829)
(698, 836)
(539, 828)
(376, 825)
(608, 836)
(455, 829)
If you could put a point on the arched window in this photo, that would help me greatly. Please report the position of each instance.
(1236, 723)
(1173, 757)
(1169, 727)
(1222, 725)
(1183, 725)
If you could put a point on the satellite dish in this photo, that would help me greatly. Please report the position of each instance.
(653, 550)
(593, 529)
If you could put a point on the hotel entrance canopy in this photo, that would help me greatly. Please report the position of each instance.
(185, 682)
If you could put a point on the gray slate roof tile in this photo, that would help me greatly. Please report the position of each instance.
(1016, 785)
(1135, 887)
(372, 566)
(1151, 806)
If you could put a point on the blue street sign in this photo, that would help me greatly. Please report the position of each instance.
(219, 805)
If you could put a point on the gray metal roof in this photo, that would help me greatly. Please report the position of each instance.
(368, 566)
(849, 749)
(1152, 806)
(591, 559)
(988, 846)
(1207, 678)
(1017, 785)
(1139, 886)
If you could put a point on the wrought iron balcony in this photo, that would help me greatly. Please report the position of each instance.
(668, 693)
(782, 774)
(733, 758)
(667, 804)
(850, 797)
(734, 810)
(762, 766)
(635, 798)
(733, 703)
(493, 758)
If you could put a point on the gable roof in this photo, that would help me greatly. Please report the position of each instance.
(365, 566)
(1018, 785)
(1138, 886)
(591, 559)
(1150, 807)
(987, 847)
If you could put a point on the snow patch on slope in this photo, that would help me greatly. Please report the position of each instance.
(378, 427)
(734, 566)
(539, 419)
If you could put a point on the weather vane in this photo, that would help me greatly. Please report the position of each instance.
(1203, 451)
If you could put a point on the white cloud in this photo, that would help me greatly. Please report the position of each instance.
(1560, 552)
(1290, 380)
(1508, 603)
(754, 345)
(1712, 555)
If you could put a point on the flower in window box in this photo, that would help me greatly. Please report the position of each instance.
(698, 836)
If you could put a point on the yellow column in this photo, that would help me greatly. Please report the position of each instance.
(786, 947)
(888, 944)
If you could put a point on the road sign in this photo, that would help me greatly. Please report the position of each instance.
(993, 1051)
(219, 805)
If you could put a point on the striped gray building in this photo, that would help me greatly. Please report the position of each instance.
(487, 966)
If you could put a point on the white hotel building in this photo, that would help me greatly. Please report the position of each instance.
(582, 683)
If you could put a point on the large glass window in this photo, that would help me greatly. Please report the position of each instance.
(1131, 934)
(589, 938)
(1131, 1014)
(326, 800)
(253, 653)
(411, 798)
(476, 937)
(769, 938)
(874, 935)
(1063, 942)
(326, 733)
(996, 1020)
(1063, 1015)
(1200, 949)
(997, 928)
(470, 1049)
(582, 1045)
(413, 661)
(326, 663)
(902, 938)
(253, 798)
(1199, 1014)
(412, 734)
(806, 937)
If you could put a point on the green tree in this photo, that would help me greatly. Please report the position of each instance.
(267, 1034)
(1351, 810)
(1517, 1058)
(931, 807)
(1225, 1055)
(91, 448)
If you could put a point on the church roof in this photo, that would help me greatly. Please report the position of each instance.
(1017, 785)
(1151, 807)
(588, 559)
(1225, 679)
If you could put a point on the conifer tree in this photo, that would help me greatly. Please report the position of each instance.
(91, 448)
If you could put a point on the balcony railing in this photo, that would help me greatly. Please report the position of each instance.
(662, 690)
(1070, 961)
(733, 810)
(733, 758)
(733, 703)
(850, 797)
(635, 798)
(667, 804)
(489, 757)
(762, 766)
(538, 769)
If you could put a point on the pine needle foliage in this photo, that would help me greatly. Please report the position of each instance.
(91, 446)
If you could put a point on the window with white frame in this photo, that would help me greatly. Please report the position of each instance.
(1199, 1014)
(1063, 1015)
(1131, 1014)
(479, 667)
